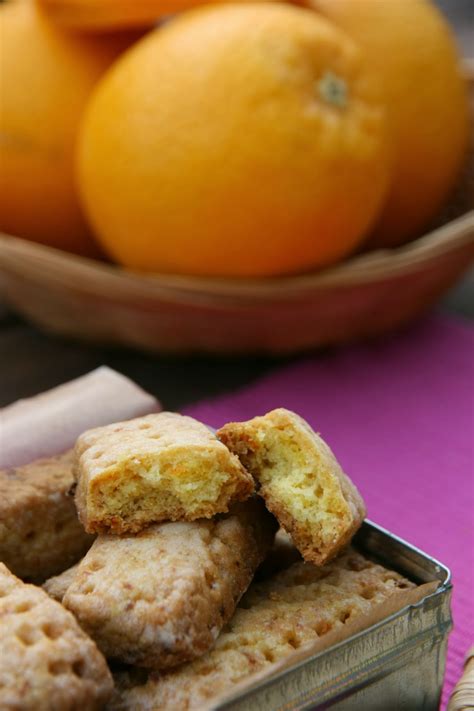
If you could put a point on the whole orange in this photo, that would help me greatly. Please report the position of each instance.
(46, 77)
(104, 15)
(239, 140)
(411, 53)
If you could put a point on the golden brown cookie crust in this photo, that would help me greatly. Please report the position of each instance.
(297, 607)
(300, 480)
(161, 597)
(40, 534)
(47, 661)
(161, 467)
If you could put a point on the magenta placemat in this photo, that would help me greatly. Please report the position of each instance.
(400, 417)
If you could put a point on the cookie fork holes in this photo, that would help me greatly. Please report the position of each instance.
(292, 640)
(28, 635)
(95, 565)
(51, 631)
(269, 656)
(402, 585)
(344, 615)
(24, 606)
(322, 627)
(59, 666)
(79, 668)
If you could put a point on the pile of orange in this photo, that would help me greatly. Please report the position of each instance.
(46, 78)
(249, 139)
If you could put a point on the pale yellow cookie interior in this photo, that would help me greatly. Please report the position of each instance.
(287, 473)
(300, 480)
(183, 487)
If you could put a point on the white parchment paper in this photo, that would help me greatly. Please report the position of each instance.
(50, 423)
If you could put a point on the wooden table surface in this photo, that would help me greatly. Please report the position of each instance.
(31, 361)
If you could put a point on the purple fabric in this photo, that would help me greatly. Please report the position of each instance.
(399, 415)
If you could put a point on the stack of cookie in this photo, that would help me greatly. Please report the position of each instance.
(183, 520)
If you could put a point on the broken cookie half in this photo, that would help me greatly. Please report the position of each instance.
(161, 467)
(300, 480)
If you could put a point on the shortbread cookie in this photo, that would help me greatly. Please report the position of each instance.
(300, 480)
(161, 597)
(40, 534)
(298, 607)
(57, 586)
(162, 467)
(46, 661)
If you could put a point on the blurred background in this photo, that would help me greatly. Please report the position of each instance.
(461, 15)
(325, 304)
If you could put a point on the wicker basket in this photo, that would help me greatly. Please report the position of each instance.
(362, 297)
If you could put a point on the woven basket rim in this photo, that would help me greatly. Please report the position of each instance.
(43, 263)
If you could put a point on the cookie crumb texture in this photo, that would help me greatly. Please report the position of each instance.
(40, 534)
(300, 481)
(161, 597)
(296, 607)
(46, 661)
(161, 467)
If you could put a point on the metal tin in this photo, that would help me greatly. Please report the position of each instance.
(394, 665)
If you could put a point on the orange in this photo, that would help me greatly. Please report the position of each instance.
(240, 140)
(46, 78)
(93, 15)
(410, 51)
